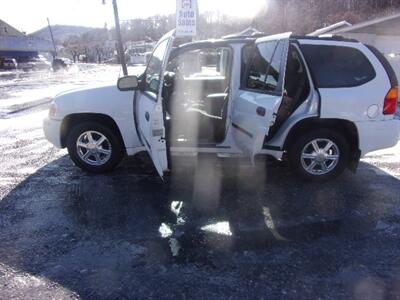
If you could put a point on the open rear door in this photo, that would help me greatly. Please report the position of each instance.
(149, 115)
(258, 100)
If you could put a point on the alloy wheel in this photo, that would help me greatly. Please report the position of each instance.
(320, 156)
(93, 148)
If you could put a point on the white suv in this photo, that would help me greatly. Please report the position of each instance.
(322, 103)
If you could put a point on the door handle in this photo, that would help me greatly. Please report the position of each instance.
(260, 111)
(147, 116)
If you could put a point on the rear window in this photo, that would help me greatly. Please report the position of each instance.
(337, 66)
(386, 65)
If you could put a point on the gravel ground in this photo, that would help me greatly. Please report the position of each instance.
(214, 228)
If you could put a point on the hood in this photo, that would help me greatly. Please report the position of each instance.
(96, 99)
(85, 89)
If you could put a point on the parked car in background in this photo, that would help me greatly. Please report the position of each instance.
(137, 59)
(8, 64)
(61, 63)
(37, 63)
(137, 53)
(319, 103)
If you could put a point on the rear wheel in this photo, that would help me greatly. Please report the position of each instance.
(319, 155)
(94, 147)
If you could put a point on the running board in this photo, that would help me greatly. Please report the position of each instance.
(229, 155)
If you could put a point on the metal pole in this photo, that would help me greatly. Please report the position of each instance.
(52, 39)
(284, 17)
(119, 39)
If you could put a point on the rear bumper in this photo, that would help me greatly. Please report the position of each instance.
(52, 130)
(376, 135)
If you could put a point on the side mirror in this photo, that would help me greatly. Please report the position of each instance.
(128, 83)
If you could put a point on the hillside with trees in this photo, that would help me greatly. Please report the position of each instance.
(299, 16)
(61, 32)
(305, 16)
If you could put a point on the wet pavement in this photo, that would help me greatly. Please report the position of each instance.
(214, 228)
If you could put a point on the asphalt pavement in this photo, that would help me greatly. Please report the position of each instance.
(212, 229)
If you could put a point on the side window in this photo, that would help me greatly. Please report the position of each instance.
(153, 71)
(338, 66)
(263, 66)
(200, 63)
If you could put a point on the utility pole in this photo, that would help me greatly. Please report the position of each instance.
(120, 47)
(52, 39)
(119, 38)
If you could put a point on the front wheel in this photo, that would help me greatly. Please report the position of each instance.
(94, 148)
(319, 155)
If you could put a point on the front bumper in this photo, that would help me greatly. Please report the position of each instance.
(52, 131)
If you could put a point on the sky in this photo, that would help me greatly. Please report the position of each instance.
(30, 15)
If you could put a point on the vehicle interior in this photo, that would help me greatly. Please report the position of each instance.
(196, 92)
(296, 89)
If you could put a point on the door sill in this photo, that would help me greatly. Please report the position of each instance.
(200, 146)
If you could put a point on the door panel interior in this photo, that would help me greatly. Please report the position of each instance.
(297, 89)
(149, 112)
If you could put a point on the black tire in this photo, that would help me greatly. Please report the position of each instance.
(296, 148)
(116, 148)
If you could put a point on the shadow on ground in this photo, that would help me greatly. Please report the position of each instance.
(212, 228)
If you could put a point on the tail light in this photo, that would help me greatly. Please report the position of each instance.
(390, 104)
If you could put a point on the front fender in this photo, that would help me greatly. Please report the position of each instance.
(106, 100)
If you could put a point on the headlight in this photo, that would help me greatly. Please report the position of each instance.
(53, 110)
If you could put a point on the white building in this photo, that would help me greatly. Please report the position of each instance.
(15, 44)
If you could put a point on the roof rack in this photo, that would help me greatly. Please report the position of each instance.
(325, 38)
(303, 37)
(244, 37)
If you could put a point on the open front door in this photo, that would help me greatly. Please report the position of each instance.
(149, 113)
(261, 92)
